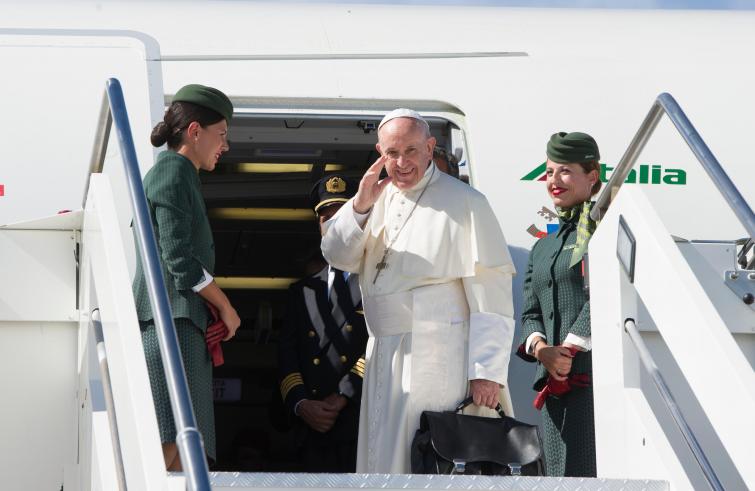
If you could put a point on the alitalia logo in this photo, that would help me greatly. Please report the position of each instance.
(642, 174)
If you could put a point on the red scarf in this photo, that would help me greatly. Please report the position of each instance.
(558, 388)
(216, 332)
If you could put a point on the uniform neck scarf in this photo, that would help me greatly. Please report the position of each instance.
(585, 228)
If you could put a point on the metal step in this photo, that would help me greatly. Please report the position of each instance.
(238, 481)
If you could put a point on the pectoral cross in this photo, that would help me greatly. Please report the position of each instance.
(383, 264)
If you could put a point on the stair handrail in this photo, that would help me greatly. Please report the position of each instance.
(668, 399)
(188, 438)
(666, 104)
(95, 327)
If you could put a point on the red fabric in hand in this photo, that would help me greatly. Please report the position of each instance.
(216, 332)
(558, 388)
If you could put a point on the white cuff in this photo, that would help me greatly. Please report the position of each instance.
(531, 339)
(582, 342)
(490, 338)
(202, 284)
(361, 218)
(296, 407)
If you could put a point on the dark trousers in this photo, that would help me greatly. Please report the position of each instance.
(320, 454)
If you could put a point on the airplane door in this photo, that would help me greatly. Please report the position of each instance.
(52, 94)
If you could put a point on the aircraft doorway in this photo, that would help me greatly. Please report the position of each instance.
(266, 237)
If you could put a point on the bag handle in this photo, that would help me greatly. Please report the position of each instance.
(466, 402)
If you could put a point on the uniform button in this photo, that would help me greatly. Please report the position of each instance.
(316, 361)
(550, 283)
(349, 328)
(343, 359)
(550, 316)
(314, 391)
(311, 334)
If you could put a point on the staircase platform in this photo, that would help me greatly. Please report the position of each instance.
(249, 480)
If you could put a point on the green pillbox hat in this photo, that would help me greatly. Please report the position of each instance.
(575, 147)
(208, 97)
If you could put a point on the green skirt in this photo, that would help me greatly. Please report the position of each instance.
(569, 434)
(198, 366)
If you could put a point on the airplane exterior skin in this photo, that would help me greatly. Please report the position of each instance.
(504, 79)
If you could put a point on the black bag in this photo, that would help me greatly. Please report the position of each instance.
(453, 443)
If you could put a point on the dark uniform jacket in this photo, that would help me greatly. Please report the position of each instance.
(322, 346)
(555, 302)
(184, 238)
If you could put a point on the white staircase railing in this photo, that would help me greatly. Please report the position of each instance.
(106, 285)
(693, 336)
(696, 333)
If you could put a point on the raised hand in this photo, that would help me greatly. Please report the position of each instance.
(371, 186)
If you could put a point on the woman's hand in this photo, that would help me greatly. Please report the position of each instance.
(555, 359)
(214, 295)
(230, 317)
(370, 187)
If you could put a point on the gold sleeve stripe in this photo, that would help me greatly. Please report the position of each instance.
(292, 383)
(290, 377)
(358, 368)
(287, 389)
(288, 383)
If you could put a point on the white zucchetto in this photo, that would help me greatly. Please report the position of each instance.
(403, 113)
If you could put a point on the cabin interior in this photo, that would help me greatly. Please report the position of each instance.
(266, 237)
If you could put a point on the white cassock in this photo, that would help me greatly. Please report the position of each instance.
(439, 315)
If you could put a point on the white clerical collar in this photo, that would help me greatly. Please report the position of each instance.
(429, 174)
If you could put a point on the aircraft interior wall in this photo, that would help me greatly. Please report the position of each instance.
(273, 162)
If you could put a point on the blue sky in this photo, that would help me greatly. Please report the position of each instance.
(640, 4)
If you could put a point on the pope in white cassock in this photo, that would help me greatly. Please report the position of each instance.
(435, 274)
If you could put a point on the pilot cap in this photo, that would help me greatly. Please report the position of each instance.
(403, 113)
(208, 97)
(575, 147)
(331, 189)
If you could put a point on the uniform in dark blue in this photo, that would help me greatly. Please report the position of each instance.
(321, 352)
(555, 304)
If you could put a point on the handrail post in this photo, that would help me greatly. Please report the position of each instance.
(188, 438)
(107, 390)
(665, 103)
(660, 384)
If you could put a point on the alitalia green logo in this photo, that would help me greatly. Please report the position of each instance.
(642, 174)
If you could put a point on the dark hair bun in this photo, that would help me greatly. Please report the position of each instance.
(160, 134)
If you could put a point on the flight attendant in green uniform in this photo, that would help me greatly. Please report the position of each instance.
(556, 313)
(195, 128)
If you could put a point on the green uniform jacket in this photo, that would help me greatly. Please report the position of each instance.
(555, 302)
(184, 238)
